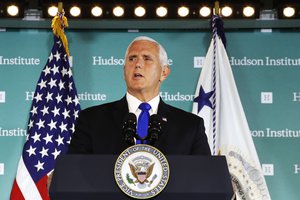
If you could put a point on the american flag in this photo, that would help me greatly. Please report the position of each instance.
(55, 108)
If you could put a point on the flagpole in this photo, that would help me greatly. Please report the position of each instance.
(59, 23)
(217, 8)
(60, 7)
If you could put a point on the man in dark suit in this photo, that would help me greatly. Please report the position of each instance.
(99, 128)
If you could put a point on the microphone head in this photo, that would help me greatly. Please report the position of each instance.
(155, 119)
(130, 118)
(129, 128)
(154, 128)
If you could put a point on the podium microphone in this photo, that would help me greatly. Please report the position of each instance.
(129, 128)
(154, 129)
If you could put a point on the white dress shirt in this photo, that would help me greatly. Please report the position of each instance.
(134, 103)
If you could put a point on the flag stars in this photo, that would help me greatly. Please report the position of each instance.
(38, 97)
(36, 137)
(58, 98)
(42, 84)
(69, 141)
(49, 96)
(30, 124)
(55, 69)
(55, 111)
(56, 153)
(57, 56)
(39, 166)
(50, 57)
(59, 140)
(48, 138)
(76, 100)
(76, 114)
(73, 128)
(64, 71)
(59, 43)
(31, 151)
(61, 85)
(70, 72)
(40, 124)
(33, 110)
(47, 70)
(68, 100)
(65, 57)
(66, 113)
(44, 152)
(52, 83)
(63, 127)
(45, 110)
(52, 125)
(70, 86)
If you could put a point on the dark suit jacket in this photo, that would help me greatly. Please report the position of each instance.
(99, 131)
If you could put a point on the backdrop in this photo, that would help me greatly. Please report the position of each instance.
(266, 68)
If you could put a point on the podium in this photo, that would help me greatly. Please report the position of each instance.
(91, 177)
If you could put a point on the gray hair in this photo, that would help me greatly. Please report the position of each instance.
(163, 57)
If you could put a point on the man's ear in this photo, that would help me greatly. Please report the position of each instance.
(165, 73)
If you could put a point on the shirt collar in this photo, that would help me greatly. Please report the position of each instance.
(133, 104)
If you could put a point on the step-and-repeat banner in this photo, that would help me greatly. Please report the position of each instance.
(266, 68)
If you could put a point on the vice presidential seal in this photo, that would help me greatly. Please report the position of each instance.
(141, 171)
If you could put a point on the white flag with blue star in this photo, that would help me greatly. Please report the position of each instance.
(217, 101)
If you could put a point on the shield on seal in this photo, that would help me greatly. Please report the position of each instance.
(141, 173)
(141, 177)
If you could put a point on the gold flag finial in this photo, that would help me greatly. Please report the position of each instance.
(217, 8)
(59, 22)
(60, 7)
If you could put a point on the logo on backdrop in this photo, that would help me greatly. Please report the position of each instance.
(266, 97)
(141, 171)
(2, 96)
(273, 133)
(18, 61)
(1, 168)
(198, 61)
(266, 61)
(166, 96)
(16, 132)
(297, 169)
(245, 61)
(85, 96)
(268, 169)
(296, 96)
(113, 61)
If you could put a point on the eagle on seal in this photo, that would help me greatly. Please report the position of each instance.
(141, 173)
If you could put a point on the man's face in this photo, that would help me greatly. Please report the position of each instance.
(143, 72)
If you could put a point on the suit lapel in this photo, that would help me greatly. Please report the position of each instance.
(120, 110)
(164, 113)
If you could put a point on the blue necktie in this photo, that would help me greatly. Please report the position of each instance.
(143, 120)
